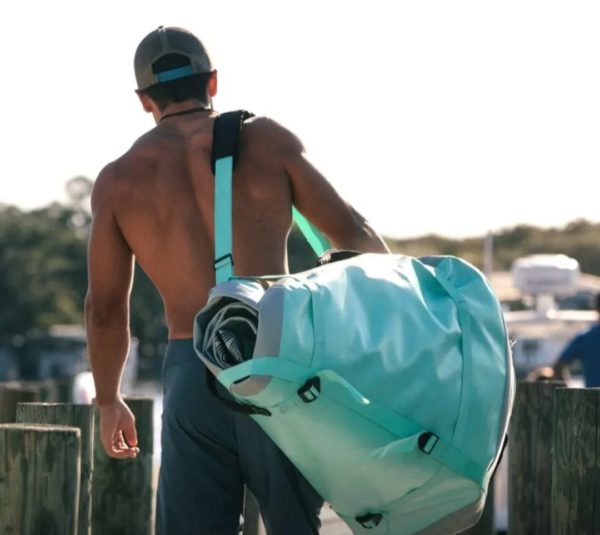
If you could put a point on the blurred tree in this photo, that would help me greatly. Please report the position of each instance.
(42, 270)
(78, 190)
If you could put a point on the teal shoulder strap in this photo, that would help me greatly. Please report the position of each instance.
(223, 264)
(225, 150)
(316, 239)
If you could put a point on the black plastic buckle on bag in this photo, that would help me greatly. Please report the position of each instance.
(221, 261)
(370, 520)
(424, 442)
(310, 390)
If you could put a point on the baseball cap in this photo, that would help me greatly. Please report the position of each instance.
(170, 40)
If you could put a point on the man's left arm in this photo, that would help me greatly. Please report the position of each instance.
(110, 276)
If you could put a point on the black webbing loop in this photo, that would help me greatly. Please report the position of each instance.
(241, 408)
(370, 520)
(222, 260)
(226, 135)
(310, 390)
(426, 444)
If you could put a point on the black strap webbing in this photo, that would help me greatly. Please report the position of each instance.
(226, 135)
(242, 408)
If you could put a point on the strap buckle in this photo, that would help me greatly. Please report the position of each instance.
(310, 390)
(428, 441)
(223, 261)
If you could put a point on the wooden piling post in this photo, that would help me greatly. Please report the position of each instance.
(576, 462)
(10, 395)
(39, 479)
(530, 458)
(122, 494)
(81, 417)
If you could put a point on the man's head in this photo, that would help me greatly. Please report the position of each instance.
(172, 65)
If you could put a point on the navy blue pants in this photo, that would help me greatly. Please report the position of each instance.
(209, 453)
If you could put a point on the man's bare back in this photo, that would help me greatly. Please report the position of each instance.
(158, 199)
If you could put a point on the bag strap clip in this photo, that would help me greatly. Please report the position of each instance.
(310, 390)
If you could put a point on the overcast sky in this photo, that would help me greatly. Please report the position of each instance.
(454, 117)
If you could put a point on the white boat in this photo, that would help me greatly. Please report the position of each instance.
(543, 330)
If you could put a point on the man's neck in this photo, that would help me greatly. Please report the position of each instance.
(182, 108)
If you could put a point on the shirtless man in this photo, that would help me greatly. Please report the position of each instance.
(154, 205)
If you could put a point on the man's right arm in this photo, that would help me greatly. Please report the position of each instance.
(322, 205)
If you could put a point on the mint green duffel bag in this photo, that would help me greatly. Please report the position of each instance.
(387, 380)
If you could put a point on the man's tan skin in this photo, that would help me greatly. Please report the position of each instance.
(155, 205)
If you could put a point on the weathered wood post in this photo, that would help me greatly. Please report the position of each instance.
(576, 462)
(530, 458)
(39, 479)
(122, 497)
(10, 395)
(81, 417)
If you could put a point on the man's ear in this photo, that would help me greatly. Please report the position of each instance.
(146, 101)
(212, 84)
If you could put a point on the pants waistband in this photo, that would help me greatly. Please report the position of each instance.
(179, 351)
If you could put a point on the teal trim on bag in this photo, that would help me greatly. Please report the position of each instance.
(223, 230)
(402, 445)
(333, 377)
(271, 366)
(438, 448)
(316, 239)
(296, 373)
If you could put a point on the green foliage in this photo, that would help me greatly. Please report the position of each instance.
(432, 244)
(42, 269)
(579, 239)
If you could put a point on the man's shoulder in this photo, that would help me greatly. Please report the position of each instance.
(262, 129)
(142, 153)
(115, 178)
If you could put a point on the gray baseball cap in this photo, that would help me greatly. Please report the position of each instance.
(170, 40)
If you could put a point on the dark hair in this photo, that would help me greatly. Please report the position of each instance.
(598, 302)
(181, 89)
